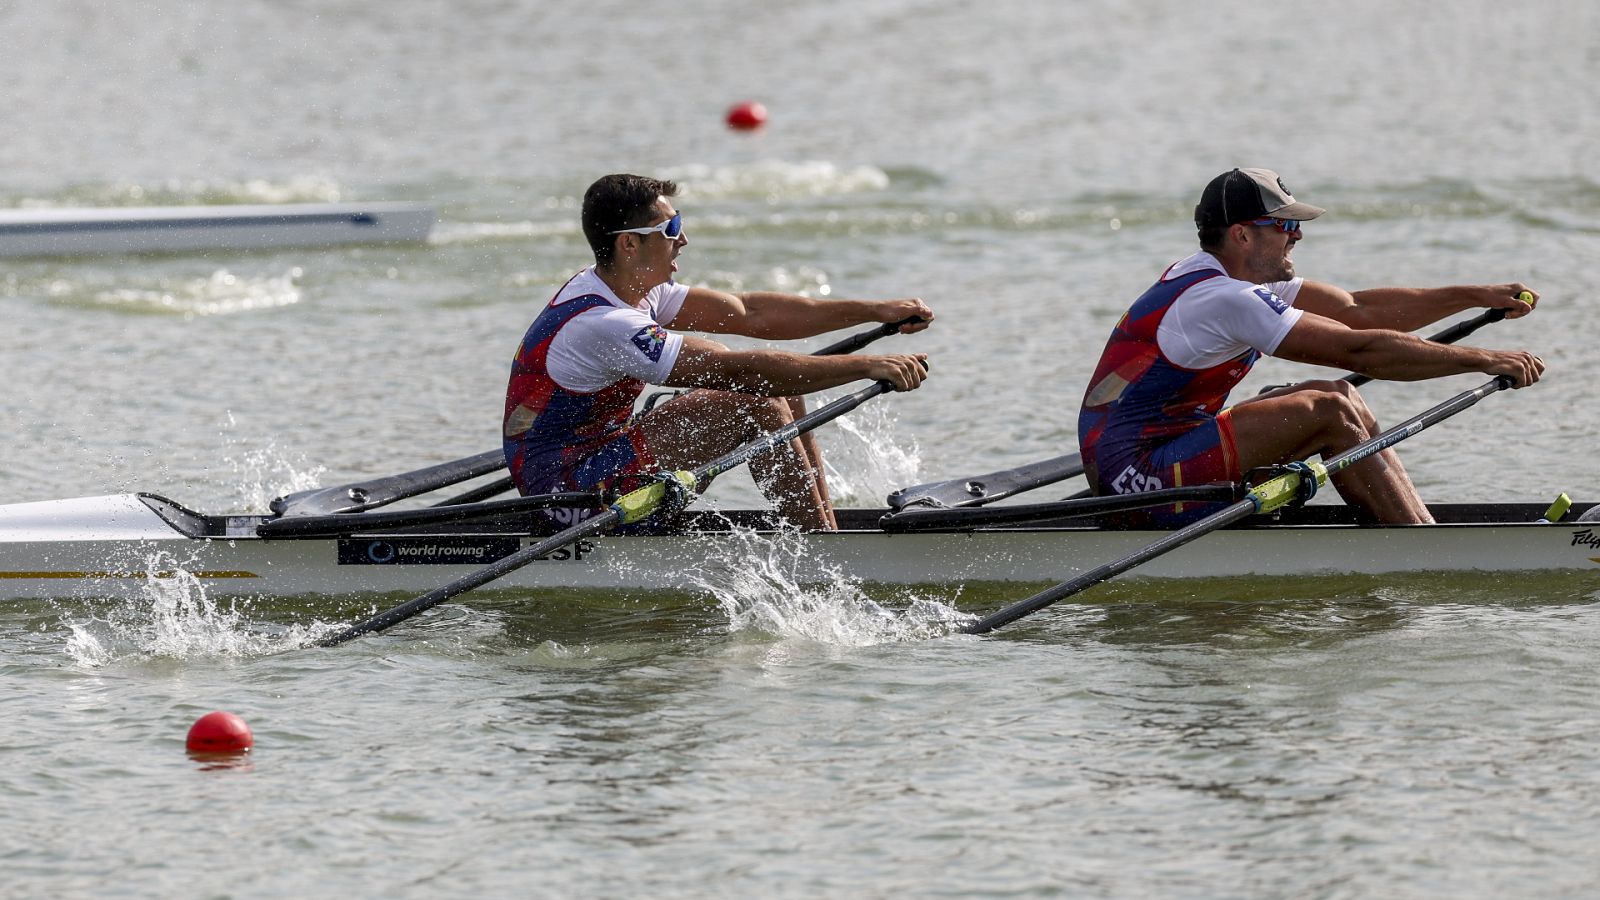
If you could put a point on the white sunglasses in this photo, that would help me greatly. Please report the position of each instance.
(671, 228)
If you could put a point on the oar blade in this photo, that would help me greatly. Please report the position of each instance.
(364, 495)
(976, 490)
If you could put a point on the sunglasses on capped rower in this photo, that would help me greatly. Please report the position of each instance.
(1287, 226)
(671, 228)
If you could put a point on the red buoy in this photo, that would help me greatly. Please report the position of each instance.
(747, 116)
(220, 732)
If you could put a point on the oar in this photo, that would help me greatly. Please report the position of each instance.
(978, 490)
(368, 522)
(364, 495)
(1266, 497)
(856, 341)
(629, 508)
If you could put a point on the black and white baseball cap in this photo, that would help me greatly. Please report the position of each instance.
(1240, 195)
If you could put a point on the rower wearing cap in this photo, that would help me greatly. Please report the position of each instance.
(1153, 415)
(569, 422)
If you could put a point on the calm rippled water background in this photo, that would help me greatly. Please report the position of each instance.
(1027, 168)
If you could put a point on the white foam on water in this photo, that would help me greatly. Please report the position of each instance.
(805, 280)
(219, 294)
(776, 180)
(771, 583)
(194, 192)
(524, 229)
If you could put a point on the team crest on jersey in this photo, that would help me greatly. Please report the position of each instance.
(1267, 297)
(650, 340)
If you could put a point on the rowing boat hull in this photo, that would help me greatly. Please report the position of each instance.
(107, 546)
(180, 229)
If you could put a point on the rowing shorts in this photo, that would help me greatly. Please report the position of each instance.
(1205, 454)
(616, 464)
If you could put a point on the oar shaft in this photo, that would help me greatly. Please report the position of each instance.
(349, 498)
(368, 522)
(977, 490)
(857, 341)
(1240, 510)
(1418, 422)
(789, 432)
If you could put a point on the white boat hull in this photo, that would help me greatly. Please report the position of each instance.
(181, 229)
(100, 547)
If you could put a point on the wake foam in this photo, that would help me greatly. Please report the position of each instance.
(773, 584)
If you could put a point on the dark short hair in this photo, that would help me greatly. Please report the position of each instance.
(615, 202)
(1211, 237)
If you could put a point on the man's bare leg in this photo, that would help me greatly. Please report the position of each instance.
(701, 425)
(1326, 418)
(808, 442)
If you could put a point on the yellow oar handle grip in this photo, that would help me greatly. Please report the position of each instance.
(1558, 509)
(1279, 492)
(636, 505)
(1528, 298)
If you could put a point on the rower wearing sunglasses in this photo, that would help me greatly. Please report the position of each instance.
(618, 326)
(1153, 415)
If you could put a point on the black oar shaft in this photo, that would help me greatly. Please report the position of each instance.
(1240, 510)
(856, 341)
(1416, 423)
(360, 496)
(977, 490)
(1264, 498)
(789, 432)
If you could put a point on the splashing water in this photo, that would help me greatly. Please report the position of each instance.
(173, 617)
(262, 471)
(863, 459)
(772, 584)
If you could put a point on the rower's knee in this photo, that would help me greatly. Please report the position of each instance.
(1338, 406)
(747, 415)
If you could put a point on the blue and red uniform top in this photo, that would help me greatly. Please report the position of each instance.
(576, 377)
(1167, 370)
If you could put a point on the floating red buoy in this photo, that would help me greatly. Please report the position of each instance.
(220, 732)
(747, 116)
